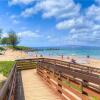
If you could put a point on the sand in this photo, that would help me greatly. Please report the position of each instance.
(95, 63)
(11, 55)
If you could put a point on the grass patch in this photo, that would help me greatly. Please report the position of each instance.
(21, 48)
(72, 86)
(5, 67)
(78, 89)
(93, 97)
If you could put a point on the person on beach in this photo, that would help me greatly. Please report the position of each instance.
(41, 55)
(88, 59)
(62, 56)
(73, 61)
(88, 56)
(36, 56)
(68, 57)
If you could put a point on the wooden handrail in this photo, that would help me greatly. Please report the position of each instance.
(76, 70)
(80, 66)
(65, 63)
(7, 85)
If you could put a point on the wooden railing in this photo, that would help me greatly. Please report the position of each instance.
(63, 63)
(26, 64)
(70, 80)
(73, 65)
(7, 92)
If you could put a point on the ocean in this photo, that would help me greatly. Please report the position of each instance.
(79, 51)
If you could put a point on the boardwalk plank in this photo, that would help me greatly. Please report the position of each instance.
(34, 87)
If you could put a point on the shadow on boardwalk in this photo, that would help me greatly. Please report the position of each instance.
(19, 89)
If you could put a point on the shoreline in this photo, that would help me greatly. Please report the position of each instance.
(92, 62)
(11, 55)
(53, 54)
(84, 61)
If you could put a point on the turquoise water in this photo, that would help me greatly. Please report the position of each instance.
(83, 51)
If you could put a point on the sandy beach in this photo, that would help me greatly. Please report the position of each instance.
(84, 61)
(11, 55)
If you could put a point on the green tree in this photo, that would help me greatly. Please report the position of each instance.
(0, 33)
(4, 41)
(13, 39)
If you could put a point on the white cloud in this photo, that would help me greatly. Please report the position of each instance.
(96, 27)
(93, 13)
(82, 27)
(75, 22)
(81, 31)
(28, 34)
(13, 16)
(28, 12)
(49, 37)
(25, 34)
(54, 8)
(76, 38)
(67, 24)
(85, 35)
(14, 2)
(16, 21)
(4, 35)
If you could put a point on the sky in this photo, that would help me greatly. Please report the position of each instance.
(52, 22)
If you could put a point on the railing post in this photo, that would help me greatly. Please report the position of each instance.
(48, 76)
(68, 80)
(81, 87)
(37, 66)
(59, 86)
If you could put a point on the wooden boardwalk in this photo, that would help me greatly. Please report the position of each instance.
(70, 81)
(34, 88)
